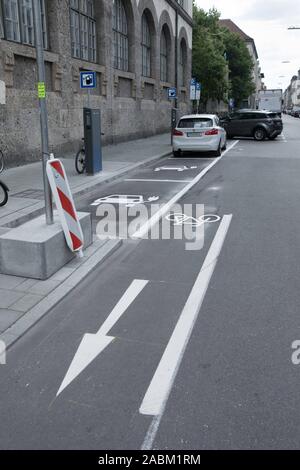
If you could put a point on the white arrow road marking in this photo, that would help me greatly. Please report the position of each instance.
(160, 387)
(93, 344)
(175, 168)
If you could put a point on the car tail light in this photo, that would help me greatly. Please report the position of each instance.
(212, 132)
(177, 133)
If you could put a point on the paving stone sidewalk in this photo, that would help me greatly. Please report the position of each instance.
(25, 301)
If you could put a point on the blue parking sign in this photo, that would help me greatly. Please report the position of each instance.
(172, 93)
(88, 80)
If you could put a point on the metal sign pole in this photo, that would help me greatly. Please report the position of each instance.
(43, 107)
(89, 98)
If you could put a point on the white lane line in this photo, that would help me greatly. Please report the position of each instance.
(188, 158)
(144, 229)
(157, 181)
(93, 344)
(158, 392)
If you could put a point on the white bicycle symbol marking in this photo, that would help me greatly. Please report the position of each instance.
(183, 219)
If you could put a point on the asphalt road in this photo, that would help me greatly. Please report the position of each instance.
(186, 349)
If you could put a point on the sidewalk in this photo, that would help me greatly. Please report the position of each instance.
(23, 302)
(26, 182)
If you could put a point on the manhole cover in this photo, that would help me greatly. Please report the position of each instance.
(30, 194)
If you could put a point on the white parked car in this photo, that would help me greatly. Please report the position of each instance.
(197, 133)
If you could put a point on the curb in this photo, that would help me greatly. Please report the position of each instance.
(81, 192)
(29, 319)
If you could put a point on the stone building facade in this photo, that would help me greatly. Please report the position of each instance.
(138, 48)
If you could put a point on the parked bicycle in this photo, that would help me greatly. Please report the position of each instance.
(80, 160)
(80, 163)
(3, 194)
(1, 161)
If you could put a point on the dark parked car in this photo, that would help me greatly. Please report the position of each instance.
(295, 111)
(253, 123)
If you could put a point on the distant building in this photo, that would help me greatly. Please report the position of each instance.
(138, 48)
(252, 101)
(291, 96)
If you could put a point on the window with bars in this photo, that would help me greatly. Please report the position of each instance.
(163, 57)
(120, 37)
(18, 21)
(181, 64)
(146, 47)
(83, 30)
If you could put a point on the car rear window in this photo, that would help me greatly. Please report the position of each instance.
(273, 116)
(195, 123)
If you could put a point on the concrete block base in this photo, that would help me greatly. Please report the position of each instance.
(37, 250)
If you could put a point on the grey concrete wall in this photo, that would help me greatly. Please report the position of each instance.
(131, 106)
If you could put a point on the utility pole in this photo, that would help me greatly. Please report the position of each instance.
(43, 106)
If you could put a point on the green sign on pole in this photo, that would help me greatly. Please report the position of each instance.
(41, 90)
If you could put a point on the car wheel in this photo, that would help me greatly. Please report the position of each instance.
(259, 134)
(224, 146)
(229, 136)
(219, 151)
(176, 153)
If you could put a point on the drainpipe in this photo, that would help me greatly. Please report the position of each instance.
(174, 114)
(176, 56)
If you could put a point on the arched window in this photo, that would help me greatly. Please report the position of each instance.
(146, 47)
(120, 32)
(163, 57)
(83, 30)
(182, 62)
(18, 22)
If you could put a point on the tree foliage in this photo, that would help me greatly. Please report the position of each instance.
(221, 60)
(240, 66)
(209, 64)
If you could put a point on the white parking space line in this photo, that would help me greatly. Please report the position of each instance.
(156, 397)
(157, 181)
(166, 208)
(188, 158)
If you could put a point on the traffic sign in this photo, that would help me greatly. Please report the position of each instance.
(231, 103)
(172, 93)
(198, 91)
(88, 80)
(193, 89)
(41, 90)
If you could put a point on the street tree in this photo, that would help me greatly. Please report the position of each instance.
(221, 60)
(240, 65)
(209, 63)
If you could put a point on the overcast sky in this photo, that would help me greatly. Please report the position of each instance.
(266, 21)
